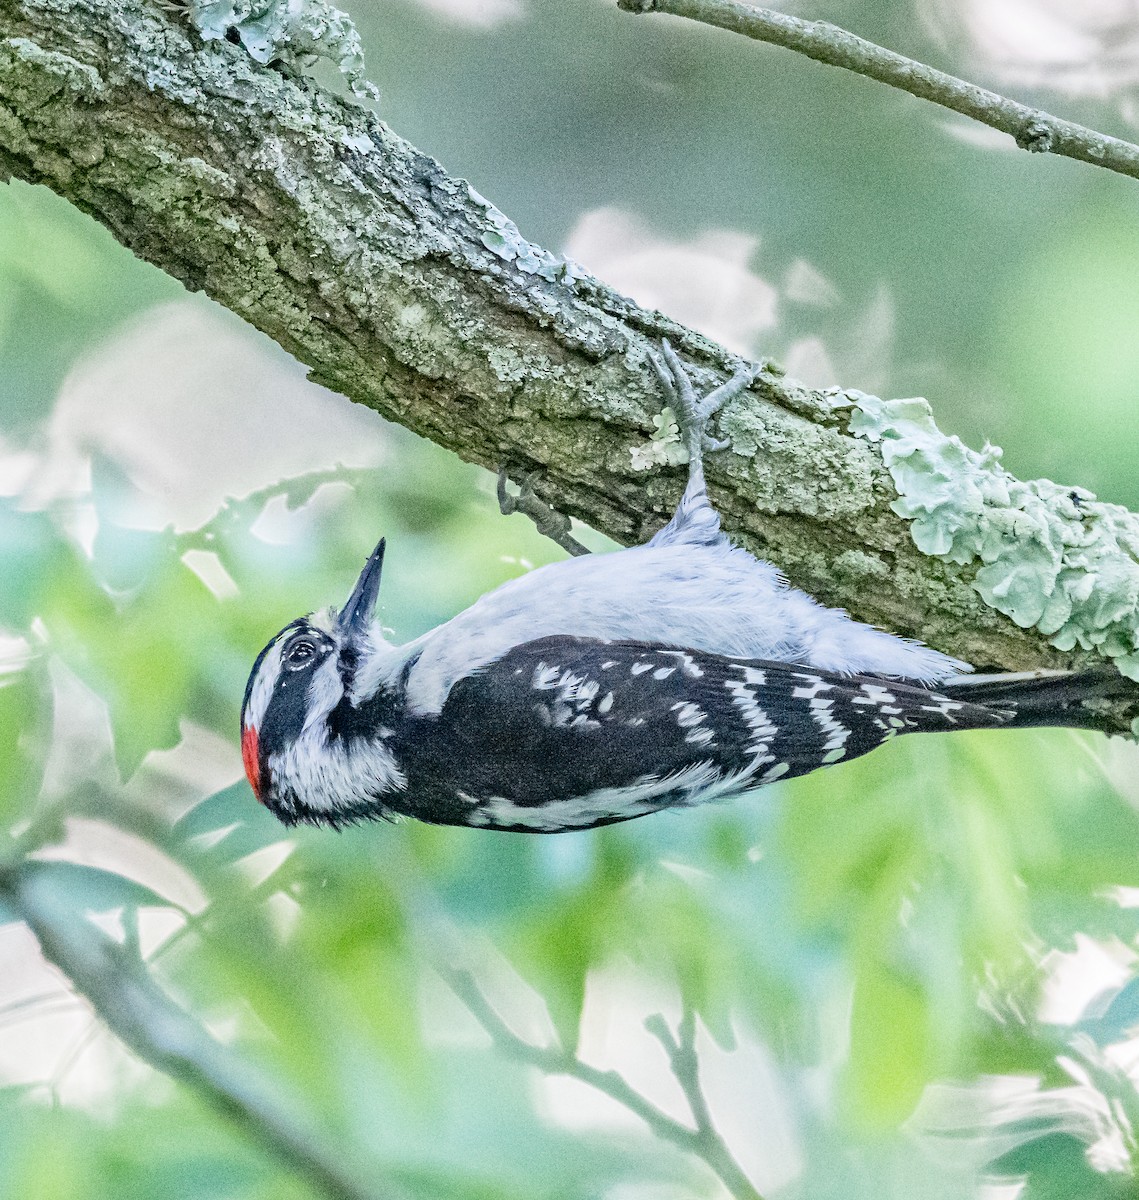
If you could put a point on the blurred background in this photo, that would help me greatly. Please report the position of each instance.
(915, 970)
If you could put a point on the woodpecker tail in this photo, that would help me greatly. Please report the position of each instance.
(1038, 698)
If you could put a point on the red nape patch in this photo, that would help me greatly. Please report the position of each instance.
(250, 757)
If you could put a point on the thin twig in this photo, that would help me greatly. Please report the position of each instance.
(163, 1034)
(1032, 128)
(685, 1063)
(703, 1142)
(297, 490)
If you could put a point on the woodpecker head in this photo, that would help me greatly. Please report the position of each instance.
(311, 748)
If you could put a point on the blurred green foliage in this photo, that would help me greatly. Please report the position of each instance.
(864, 935)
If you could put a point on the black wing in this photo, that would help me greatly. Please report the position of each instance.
(566, 733)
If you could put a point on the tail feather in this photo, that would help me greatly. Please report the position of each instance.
(1041, 698)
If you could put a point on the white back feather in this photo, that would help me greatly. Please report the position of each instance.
(713, 597)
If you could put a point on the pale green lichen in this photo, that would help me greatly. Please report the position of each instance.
(1052, 558)
(744, 428)
(665, 449)
(289, 31)
(857, 564)
(83, 80)
(504, 240)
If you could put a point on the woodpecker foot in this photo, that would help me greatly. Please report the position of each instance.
(695, 521)
(693, 413)
(549, 522)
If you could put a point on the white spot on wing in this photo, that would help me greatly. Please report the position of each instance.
(872, 693)
(687, 663)
(545, 677)
(835, 734)
(943, 706)
(688, 714)
(758, 722)
(808, 692)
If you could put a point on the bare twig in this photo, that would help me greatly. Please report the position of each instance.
(297, 490)
(1032, 128)
(682, 1056)
(703, 1141)
(164, 1035)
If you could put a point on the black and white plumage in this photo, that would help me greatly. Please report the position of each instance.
(606, 687)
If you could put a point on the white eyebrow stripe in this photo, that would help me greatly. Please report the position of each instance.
(262, 690)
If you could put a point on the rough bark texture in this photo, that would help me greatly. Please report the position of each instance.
(309, 218)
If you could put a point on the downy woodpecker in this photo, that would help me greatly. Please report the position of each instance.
(607, 686)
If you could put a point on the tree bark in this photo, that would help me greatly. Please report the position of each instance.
(400, 287)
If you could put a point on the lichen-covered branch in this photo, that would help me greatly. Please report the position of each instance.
(136, 1009)
(1032, 128)
(403, 288)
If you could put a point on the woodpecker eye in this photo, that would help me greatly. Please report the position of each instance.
(299, 654)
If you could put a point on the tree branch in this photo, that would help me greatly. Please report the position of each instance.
(1032, 128)
(403, 288)
(703, 1141)
(164, 1035)
(685, 1063)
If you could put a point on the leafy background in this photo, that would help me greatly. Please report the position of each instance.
(916, 970)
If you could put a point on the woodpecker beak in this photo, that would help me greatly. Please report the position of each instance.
(356, 616)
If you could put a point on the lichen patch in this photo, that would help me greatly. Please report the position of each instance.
(1051, 558)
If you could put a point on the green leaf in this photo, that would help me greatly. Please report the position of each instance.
(556, 953)
(891, 1047)
(93, 889)
(39, 565)
(146, 660)
(1056, 1167)
(228, 826)
(25, 726)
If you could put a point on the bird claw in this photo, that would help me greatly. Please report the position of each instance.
(548, 521)
(693, 412)
(507, 504)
